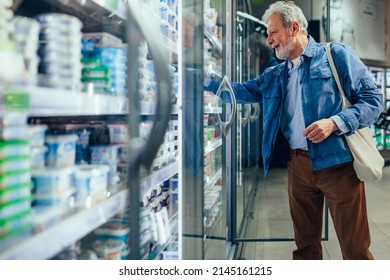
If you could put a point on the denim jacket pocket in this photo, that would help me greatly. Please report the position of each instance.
(322, 80)
(321, 72)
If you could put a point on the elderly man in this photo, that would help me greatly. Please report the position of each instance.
(301, 98)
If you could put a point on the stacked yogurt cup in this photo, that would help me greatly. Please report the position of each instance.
(11, 59)
(104, 64)
(6, 15)
(59, 51)
(26, 35)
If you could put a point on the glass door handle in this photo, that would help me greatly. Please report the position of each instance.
(226, 86)
(143, 29)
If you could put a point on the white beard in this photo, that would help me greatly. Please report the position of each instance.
(284, 52)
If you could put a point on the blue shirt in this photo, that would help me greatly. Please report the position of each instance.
(320, 99)
(292, 121)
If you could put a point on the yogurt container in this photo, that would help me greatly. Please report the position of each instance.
(104, 154)
(64, 199)
(14, 132)
(61, 150)
(118, 133)
(90, 179)
(114, 229)
(14, 164)
(14, 178)
(9, 118)
(52, 180)
(37, 135)
(91, 182)
(14, 193)
(108, 249)
(15, 207)
(38, 157)
(60, 21)
(100, 39)
(16, 223)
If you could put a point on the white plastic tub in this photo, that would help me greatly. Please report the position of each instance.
(104, 154)
(91, 179)
(37, 135)
(61, 150)
(108, 249)
(52, 180)
(91, 182)
(38, 157)
(118, 133)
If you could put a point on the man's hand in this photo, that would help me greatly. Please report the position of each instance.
(320, 130)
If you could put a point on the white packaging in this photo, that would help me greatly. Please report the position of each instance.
(61, 150)
(118, 133)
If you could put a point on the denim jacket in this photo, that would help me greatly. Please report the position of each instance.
(320, 99)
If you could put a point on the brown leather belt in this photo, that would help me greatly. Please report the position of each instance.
(299, 152)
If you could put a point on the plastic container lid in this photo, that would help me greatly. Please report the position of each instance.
(109, 248)
(50, 172)
(86, 171)
(60, 138)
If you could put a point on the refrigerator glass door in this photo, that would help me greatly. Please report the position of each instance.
(204, 124)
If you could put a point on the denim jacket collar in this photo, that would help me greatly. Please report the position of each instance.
(311, 48)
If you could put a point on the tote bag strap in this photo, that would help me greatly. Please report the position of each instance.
(336, 76)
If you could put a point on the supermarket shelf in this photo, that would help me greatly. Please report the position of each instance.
(212, 110)
(120, 10)
(173, 224)
(213, 179)
(48, 102)
(213, 40)
(213, 145)
(159, 176)
(91, 12)
(52, 241)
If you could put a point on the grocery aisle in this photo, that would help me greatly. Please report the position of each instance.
(271, 217)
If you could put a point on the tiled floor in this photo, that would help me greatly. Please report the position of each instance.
(270, 219)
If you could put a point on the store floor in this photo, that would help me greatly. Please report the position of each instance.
(270, 221)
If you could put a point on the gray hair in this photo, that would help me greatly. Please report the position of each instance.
(288, 12)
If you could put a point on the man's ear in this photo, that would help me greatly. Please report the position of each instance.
(294, 27)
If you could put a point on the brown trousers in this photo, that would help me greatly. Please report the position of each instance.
(346, 199)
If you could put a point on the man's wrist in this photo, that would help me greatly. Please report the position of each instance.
(335, 127)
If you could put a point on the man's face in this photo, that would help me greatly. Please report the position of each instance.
(279, 37)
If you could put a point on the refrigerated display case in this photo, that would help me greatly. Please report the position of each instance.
(381, 128)
(169, 187)
(248, 126)
(87, 115)
(206, 122)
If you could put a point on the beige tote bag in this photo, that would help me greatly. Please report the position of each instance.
(368, 162)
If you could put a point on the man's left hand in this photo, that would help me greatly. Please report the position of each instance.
(320, 130)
